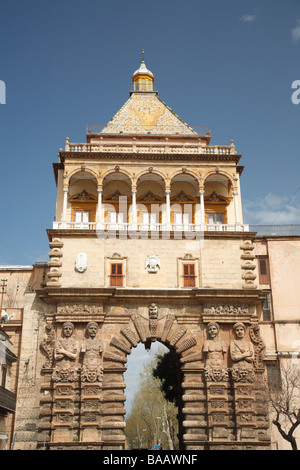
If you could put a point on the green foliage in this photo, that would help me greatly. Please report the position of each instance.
(151, 418)
(166, 371)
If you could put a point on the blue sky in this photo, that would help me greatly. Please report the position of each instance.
(228, 64)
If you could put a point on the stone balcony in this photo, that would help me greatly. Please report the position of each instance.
(140, 227)
(152, 147)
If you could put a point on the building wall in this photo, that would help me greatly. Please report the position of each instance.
(21, 282)
(217, 259)
(282, 332)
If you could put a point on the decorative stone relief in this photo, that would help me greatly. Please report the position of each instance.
(92, 350)
(80, 309)
(81, 262)
(129, 335)
(216, 374)
(152, 263)
(214, 350)
(119, 344)
(186, 344)
(248, 268)
(259, 346)
(80, 312)
(65, 355)
(241, 350)
(55, 263)
(47, 345)
(139, 327)
(226, 309)
(153, 319)
(167, 327)
(91, 383)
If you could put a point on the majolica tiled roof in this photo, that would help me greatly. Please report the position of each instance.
(145, 113)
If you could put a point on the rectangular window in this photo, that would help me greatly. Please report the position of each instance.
(81, 217)
(274, 378)
(3, 378)
(267, 312)
(149, 220)
(263, 269)
(189, 276)
(116, 274)
(215, 218)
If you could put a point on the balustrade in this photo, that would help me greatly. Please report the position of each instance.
(160, 227)
(163, 148)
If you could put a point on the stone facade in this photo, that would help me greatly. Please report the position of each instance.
(82, 401)
(148, 245)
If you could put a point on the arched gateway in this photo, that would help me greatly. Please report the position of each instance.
(148, 244)
(220, 368)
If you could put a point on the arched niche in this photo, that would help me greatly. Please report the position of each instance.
(82, 197)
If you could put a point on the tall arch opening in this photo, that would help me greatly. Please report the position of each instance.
(153, 405)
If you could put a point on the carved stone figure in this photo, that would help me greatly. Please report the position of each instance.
(241, 349)
(92, 350)
(65, 354)
(214, 348)
(153, 318)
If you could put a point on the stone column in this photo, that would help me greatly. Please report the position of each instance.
(202, 212)
(99, 206)
(168, 209)
(134, 214)
(65, 202)
(236, 206)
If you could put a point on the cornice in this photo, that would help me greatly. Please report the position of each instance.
(53, 295)
(150, 156)
(144, 235)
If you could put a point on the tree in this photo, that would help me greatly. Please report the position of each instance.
(152, 418)
(166, 371)
(284, 398)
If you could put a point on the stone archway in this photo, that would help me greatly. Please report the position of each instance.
(140, 329)
(83, 399)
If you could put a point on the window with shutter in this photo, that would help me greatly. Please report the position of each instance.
(274, 377)
(189, 276)
(263, 269)
(116, 275)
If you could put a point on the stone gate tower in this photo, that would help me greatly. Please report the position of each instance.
(148, 244)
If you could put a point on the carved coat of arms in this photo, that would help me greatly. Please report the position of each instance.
(152, 263)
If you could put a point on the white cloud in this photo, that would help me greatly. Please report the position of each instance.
(296, 32)
(248, 18)
(272, 209)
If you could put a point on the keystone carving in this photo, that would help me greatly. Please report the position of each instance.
(153, 319)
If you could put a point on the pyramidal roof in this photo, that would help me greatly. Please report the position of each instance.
(144, 112)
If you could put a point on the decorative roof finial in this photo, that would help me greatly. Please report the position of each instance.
(143, 55)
